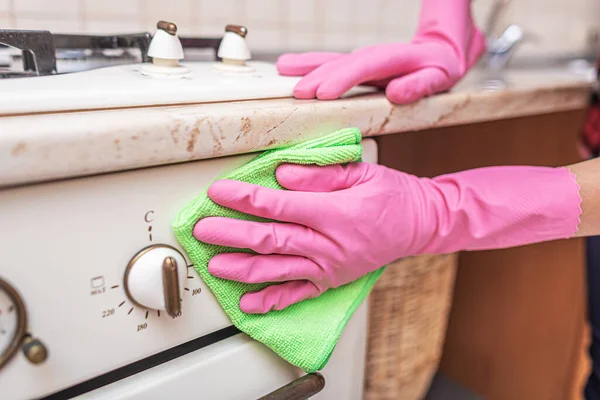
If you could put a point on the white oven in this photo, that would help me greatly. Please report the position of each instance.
(66, 245)
(68, 327)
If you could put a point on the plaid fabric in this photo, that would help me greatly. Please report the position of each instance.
(591, 130)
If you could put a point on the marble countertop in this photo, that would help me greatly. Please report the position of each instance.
(43, 147)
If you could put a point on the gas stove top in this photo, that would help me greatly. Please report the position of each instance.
(39, 53)
(63, 73)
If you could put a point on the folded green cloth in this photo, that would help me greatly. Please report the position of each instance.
(306, 333)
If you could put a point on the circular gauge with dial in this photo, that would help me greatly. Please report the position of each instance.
(13, 319)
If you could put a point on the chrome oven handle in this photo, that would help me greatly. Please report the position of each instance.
(300, 389)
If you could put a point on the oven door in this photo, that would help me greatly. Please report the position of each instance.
(241, 368)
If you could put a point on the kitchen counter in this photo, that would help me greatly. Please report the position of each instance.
(51, 146)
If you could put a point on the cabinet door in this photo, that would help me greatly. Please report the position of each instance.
(517, 321)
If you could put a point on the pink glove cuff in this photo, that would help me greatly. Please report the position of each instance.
(502, 207)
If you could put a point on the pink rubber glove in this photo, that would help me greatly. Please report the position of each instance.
(341, 222)
(446, 45)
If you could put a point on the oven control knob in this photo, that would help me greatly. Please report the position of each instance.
(34, 350)
(165, 45)
(166, 51)
(233, 48)
(234, 51)
(154, 278)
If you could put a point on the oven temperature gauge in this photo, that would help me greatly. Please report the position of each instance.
(155, 277)
(12, 321)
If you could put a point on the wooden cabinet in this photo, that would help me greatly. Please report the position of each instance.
(517, 324)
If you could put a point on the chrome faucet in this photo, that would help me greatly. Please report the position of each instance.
(500, 48)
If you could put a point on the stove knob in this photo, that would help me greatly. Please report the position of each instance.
(165, 46)
(234, 49)
(34, 350)
(166, 51)
(154, 278)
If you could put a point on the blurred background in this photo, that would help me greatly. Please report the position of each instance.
(552, 27)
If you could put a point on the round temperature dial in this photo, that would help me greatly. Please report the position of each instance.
(12, 321)
(154, 278)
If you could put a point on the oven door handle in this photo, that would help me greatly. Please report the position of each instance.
(300, 389)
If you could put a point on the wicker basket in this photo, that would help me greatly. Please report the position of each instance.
(409, 309)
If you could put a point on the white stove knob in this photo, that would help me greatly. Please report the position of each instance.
(165, 44)
(154, 278)
(233, 48)
(166, 51)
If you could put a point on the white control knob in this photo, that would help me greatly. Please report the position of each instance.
(166, 51)
(154, 278)
(233, 50)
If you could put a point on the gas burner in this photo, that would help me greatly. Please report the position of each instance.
(38, 53)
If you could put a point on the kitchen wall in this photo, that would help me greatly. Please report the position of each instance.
(554, 26)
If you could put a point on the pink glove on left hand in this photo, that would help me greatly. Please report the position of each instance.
(446, 45)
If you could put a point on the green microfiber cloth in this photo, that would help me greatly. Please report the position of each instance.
(304, 334)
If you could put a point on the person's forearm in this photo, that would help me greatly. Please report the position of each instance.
(587, 174)
(500, 207)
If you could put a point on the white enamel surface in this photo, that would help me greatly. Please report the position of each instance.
(78, 237)
(145, 282)
(130, 86)
(235, 68)
(234, 47)
(164, 45)
(239, 368)
(369, 151)
(160, 71)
